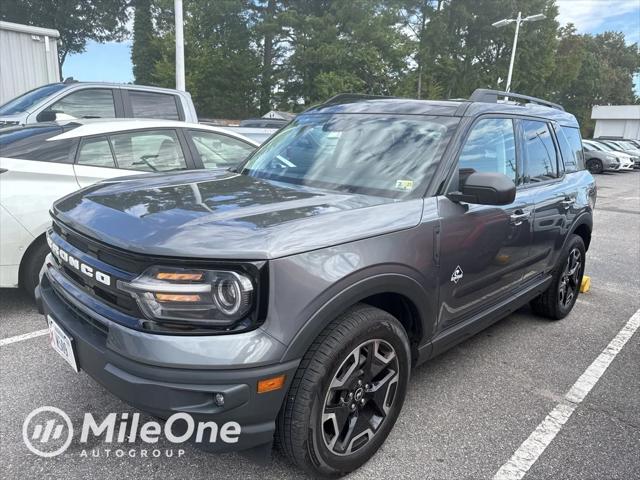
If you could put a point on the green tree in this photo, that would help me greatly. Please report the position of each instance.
(338, 46)
(77, 22)
(144, 52)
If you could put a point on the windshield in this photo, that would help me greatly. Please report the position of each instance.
(375, 154)
(603, 147)
(25, 101)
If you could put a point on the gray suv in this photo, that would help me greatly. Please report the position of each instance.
(294, 293)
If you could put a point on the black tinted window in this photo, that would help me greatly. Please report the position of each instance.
(153, 105)
(490, 147)
(36, 143)
(571, 148)
(88, 103)
(540, 152)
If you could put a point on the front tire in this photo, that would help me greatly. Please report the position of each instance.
(31, 265)
(347, 393)
(561, 296)
(594, 165)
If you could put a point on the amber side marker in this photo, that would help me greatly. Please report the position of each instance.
(270, 384)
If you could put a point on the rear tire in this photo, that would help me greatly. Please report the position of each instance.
(338, 410)
(561, 296)
(594, 165)
(31, 264)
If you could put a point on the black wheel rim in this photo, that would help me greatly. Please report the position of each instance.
(570, 279)
(360, 397)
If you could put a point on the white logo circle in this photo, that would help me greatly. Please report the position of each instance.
(50, 430)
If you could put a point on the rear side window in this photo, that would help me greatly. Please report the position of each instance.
(36, 144)
(218, 150)
(571, 148)
(490, 148)
(153, 105)
(88, 103)
(149, 151)
(540, 160)
(95, 152)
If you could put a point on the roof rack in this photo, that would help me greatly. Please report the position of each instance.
(486, 95)
(350, 97)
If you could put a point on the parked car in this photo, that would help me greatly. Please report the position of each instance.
(624, 147)
(70, 100)
(275, 123)
(294, 294)
(598, 160)
(43, 162)
(626, 162)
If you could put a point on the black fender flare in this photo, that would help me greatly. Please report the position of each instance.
(340, 297)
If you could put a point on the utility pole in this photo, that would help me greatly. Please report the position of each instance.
(179, 45)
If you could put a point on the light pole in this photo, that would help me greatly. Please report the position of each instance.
(519, 20)
(179, 45)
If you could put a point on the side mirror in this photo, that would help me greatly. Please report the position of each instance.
(46, 116)
(485, 189)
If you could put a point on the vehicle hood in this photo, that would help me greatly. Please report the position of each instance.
(225, 215)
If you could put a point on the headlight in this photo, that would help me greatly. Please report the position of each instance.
(199, 297)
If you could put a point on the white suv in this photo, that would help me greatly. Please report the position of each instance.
(43, 162)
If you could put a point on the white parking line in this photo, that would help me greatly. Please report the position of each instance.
(25, 336)
(531, 449)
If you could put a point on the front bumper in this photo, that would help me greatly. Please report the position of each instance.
(163, 390)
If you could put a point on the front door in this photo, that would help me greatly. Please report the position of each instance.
(483, 249)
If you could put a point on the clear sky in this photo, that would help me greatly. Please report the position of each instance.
(111, 62)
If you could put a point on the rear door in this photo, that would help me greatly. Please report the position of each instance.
(484, 249)
(130, 153)
(544, 181)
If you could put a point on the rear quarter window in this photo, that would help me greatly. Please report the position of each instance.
(571, 148)
(37, 144)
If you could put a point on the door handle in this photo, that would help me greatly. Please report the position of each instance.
(519, 216)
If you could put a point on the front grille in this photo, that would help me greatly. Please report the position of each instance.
(110, 295)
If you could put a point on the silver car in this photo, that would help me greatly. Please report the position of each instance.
(597, 159)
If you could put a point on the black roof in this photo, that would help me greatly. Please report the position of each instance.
(355, 103)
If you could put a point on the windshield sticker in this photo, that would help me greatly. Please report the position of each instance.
(404, 185)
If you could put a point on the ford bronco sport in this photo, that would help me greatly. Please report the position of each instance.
(294, 293)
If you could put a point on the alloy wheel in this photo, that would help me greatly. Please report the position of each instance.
(570, 279)
(360, 397)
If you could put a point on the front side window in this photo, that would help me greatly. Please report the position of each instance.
(218, 150)
(540, 161)
(88, 103)
(490, 148)
(95, 152)
(153, 105)
(149, 151)
(377, 154)
(36, 143)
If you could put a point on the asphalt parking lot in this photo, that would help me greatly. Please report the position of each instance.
(466, 412)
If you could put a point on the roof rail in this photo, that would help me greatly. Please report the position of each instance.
(486, 95)
(350, 97)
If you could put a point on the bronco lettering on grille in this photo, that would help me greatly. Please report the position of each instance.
(75, 263)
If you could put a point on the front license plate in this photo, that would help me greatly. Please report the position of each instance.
(62, 343)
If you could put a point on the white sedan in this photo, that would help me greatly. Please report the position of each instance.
(43, 162)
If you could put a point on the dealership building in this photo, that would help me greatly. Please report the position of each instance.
(618, 121)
